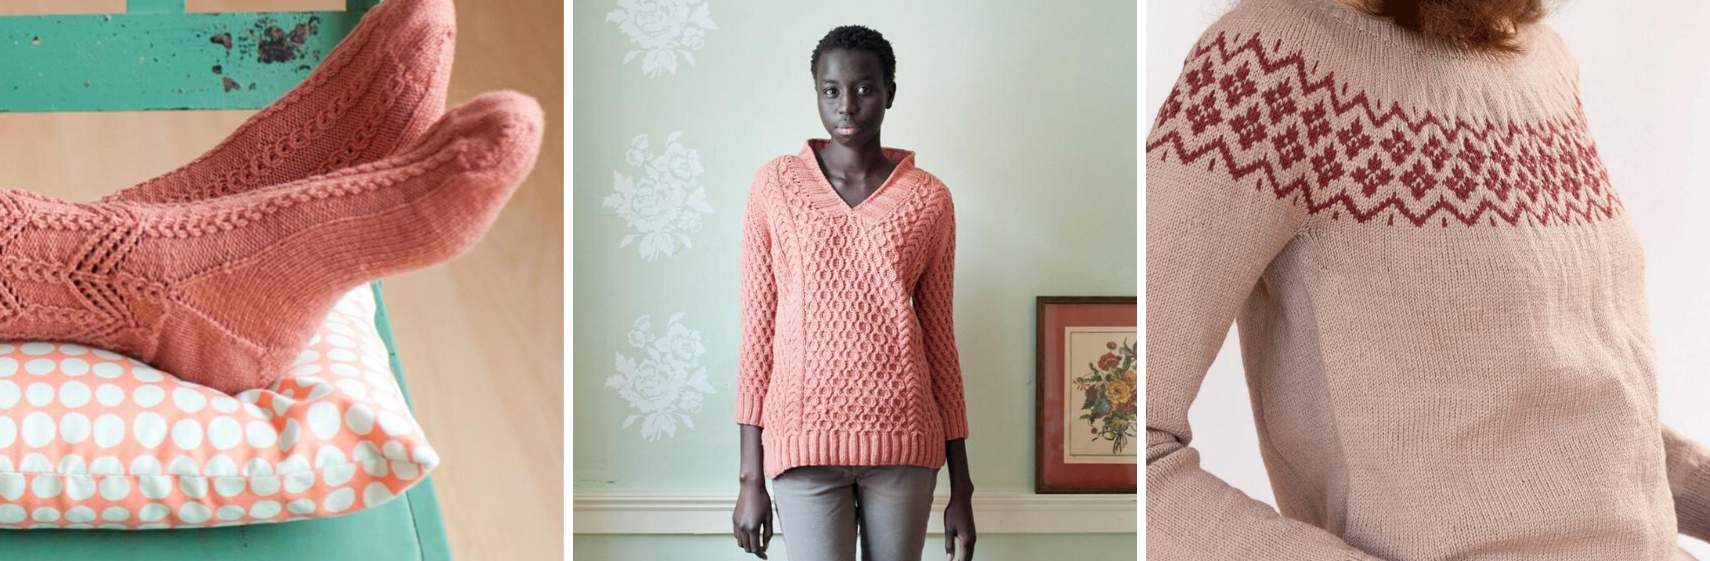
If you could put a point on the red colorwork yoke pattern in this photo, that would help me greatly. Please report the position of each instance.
(1439, 299)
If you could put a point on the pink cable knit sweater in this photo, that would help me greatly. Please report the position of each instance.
(838, 363)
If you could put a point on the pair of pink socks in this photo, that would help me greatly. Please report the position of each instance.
(220, 271)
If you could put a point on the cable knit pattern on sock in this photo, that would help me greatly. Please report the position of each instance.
(848, 352)
(1439, 296)
(226, 292)
(378, 90)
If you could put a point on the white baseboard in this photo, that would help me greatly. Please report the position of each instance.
(995, 513)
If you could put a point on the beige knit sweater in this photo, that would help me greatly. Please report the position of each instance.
(1439, 296)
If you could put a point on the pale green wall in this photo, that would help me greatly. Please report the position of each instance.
(1024, 108)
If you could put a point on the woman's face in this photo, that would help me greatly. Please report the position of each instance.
(853, 95)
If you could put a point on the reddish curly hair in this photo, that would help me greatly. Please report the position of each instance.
(1485, 25)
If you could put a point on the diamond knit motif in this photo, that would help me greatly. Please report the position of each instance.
(1281, 122)
(848, 350)
(226, 292)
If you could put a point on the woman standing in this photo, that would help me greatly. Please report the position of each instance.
(849, 393)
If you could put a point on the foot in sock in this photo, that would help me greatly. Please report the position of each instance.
(379, 89)
(226, 292)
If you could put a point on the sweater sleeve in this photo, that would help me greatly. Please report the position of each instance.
(933, 298)
(1210, 234)
(759, 304)
(1688, 463)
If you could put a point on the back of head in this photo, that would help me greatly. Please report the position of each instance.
(1485, 25)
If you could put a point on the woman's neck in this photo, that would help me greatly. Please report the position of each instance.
(853, 162)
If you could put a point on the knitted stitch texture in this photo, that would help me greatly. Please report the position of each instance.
(378, 90)
(848, 352)
(225, 292)
(1439, 299)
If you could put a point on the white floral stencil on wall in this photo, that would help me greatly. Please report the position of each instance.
(665, 201)
(663, 29)
(667, 383)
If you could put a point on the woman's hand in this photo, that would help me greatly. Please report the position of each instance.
(753, 512)
(959, 525)
(959, 514)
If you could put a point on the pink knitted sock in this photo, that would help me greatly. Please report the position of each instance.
(225, 292)
(379, 89)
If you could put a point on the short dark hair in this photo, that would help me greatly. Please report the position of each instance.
(857, 38)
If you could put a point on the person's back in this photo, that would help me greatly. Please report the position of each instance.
(1439, 298)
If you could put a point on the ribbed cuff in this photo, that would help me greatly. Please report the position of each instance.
(750, 408)
(1692, 504)
(955, 422)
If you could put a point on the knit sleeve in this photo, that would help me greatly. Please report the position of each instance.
(759, 304)
(1688, 463)
(933, 298)
(1214, 221)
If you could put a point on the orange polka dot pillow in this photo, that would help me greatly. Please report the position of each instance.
(92, 439)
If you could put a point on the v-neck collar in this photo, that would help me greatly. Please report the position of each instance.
(877, 203)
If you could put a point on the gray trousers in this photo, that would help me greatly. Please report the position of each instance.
(821, 509)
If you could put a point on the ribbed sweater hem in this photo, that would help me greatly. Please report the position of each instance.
(785, 451)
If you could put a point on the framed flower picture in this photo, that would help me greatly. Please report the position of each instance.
(1087, 433)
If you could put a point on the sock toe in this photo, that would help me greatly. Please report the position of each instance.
(495, 138)
(264, 267)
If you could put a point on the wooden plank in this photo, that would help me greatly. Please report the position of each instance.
(424, 503)
(161, 61)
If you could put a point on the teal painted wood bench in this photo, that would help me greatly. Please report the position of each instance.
(157, 57)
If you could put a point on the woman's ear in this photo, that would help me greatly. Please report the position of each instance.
(893, 97)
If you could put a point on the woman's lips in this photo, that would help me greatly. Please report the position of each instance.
(847, 129)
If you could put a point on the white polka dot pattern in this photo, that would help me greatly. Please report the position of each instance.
(88, 436)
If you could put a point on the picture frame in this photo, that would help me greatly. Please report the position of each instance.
(1086, 426)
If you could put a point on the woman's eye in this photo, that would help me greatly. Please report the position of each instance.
(830, 92)
(863, 90)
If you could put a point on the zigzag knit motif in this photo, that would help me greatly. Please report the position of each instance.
(225, 292)
(1273, 118)
(1439, 300)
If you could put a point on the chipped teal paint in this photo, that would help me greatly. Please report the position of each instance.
(154, 6)
(156, 57)
(407, 529)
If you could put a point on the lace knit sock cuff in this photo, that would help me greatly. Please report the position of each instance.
(225, 292)
(378, 90)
